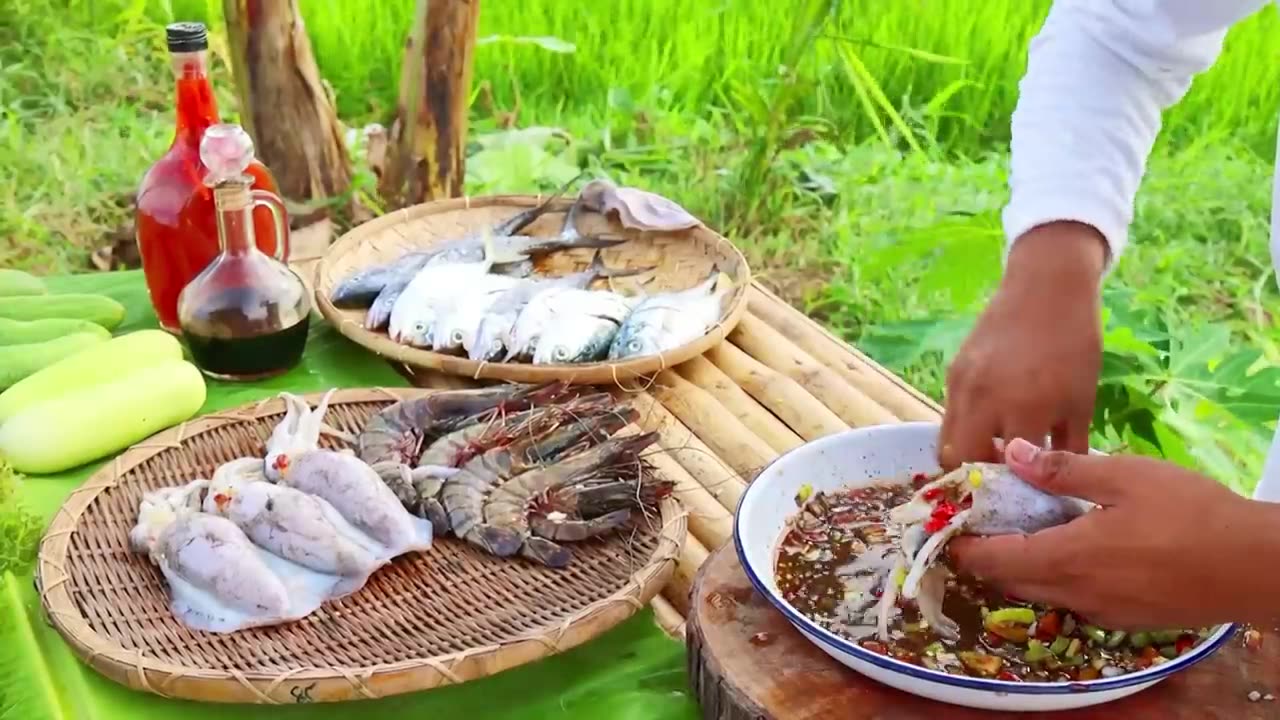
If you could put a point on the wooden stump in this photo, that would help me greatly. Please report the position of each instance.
(746, 662)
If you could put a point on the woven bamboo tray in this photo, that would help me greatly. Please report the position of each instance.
(682, 260)
(446, 616)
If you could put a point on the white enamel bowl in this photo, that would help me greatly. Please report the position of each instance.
(861, 457)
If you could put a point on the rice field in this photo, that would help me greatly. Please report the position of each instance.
(854, 149)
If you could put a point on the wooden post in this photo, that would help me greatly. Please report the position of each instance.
(284, 105)
(428, 138)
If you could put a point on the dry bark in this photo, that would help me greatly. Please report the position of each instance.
(284, 105)
(426, 158)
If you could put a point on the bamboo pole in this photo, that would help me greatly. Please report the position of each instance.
(668, 618)
(709, 521)
(679, 588)
(720, 429)
(768, 346)
(685, 448)
(759, 420)
(850, 363)
(777, 392)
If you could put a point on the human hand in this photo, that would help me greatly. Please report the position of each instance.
(1167, 547)
(1030, 367)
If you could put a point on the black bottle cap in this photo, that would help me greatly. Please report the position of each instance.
(187, 37)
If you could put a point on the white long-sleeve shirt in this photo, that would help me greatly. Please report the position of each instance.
(1099, 74)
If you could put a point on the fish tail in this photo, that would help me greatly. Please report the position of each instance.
(522, 219)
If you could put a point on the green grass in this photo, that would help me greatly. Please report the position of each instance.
(708, 103)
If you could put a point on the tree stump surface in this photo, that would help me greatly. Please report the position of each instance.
(746, 662)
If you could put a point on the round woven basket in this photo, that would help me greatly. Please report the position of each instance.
(681, 260)
(445, 616)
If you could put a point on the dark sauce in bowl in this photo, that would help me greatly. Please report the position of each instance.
(1001, 637)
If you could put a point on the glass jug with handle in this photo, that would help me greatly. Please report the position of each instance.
(246, 315)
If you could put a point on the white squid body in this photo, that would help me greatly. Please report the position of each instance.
(291, 524)
(220, 582)
(1002, 504)
(360, 496)
(294, 459)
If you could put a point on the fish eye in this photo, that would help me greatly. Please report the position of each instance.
(457, 336)
(560, 353)
(635, 346)
(419, 326)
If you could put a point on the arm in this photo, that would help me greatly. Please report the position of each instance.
(1099, 74)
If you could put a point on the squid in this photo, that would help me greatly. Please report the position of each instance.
(975, 499)
(295, 459)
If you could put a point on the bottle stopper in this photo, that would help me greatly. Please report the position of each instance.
(226, 150)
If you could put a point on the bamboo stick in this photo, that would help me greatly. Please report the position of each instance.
(702, 373)
(850, 363)
(685, 448)
(770, 347)
(709, 521)
(668, 618)
(780, 394)
(720, 429)
(678, 589)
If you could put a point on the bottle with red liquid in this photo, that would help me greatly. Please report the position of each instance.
(245, 316)
(175, 220)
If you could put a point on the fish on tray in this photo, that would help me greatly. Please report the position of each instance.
(379, 288)
(668, 320)
(480, 296)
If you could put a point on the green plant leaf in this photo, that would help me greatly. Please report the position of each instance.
(897, 345)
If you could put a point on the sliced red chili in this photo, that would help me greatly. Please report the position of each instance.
(1184, 643)
(1049, 626)
(1007, 676)
(933, 493)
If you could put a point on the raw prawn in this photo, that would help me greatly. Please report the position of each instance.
(398, 433)
(459, 446)
(507, 509)
(463, 495)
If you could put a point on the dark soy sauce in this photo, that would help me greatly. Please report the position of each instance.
(252, 357)
(241, 333)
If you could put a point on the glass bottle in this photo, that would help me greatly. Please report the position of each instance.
(245, 316)
(174, 219)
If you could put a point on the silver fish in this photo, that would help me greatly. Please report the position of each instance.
(457, 322)
(582, 324)
(533, 319)
(510, 257)
(383, 284)
(668, 320)
(494, 334)
(361, 288)
(414, 316)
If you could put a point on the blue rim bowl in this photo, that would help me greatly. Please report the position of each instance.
(1003, 687)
